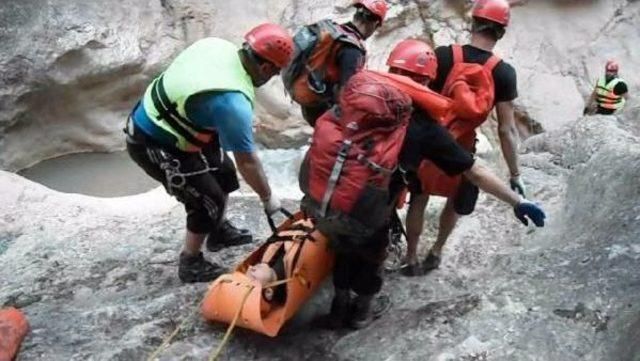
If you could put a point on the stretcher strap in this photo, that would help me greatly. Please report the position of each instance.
(272, 224)
(397, 223)
(296, 257)
(278, 236)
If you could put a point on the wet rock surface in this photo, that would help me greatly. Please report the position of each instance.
(97, 277)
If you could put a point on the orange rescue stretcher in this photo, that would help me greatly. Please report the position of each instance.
(13, 329)
(234, 297)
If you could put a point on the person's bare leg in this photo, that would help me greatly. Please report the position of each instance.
(448, 220)
(415, 225)
(193, 243)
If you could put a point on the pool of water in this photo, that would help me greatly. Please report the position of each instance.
(115, 174)
(97, 174)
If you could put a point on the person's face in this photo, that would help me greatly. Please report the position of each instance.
(610, 74)
(370, 27)
(261, 273)
(418, 78)
(370, 24)
(266, 71)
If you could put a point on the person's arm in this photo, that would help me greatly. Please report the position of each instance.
(232, 116)
(250, 168)
(349, 61)
(437, 145)
(484, 179)
(622, 90)
(524, 210)
(508, 135)
(509, 139)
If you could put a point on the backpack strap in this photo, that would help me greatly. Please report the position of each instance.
(339, 35)
(335, 175)
(491, 63)
(347, 36)
(458, 57)
(458, 54)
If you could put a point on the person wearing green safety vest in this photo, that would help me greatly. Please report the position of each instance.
(199, 108)
(610, 94)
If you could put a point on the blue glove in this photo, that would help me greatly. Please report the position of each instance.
(531, 210)
(518, 186)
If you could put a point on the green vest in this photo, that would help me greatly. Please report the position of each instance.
(605, 97)
(210, 64)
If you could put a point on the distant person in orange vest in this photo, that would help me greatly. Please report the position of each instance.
(610, 94)
(327, 54)
(490, 18)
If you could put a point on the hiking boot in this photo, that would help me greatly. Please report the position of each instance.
(226, 236)
(197, 269)
(367, 309)
(340, 307)
(431, 262)
(412, 269)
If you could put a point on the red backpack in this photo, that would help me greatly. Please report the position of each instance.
(471, 88)
(353, 153)
(312, 69)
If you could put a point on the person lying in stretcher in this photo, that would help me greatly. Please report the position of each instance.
(268, 273)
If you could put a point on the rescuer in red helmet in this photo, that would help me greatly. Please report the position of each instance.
(490, 19)
(199, 108)
(327, 55)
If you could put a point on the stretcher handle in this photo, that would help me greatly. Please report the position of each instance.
(396, 222)
(272, 224)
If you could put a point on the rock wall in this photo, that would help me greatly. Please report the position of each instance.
(71, 71)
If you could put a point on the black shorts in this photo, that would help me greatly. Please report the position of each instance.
(201, 181)
(426, 140)
(464, 202)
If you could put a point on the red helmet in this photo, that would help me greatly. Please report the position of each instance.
(612, 66)
(271, 42)
(414, 56)
(493, 10)
(377, 7)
